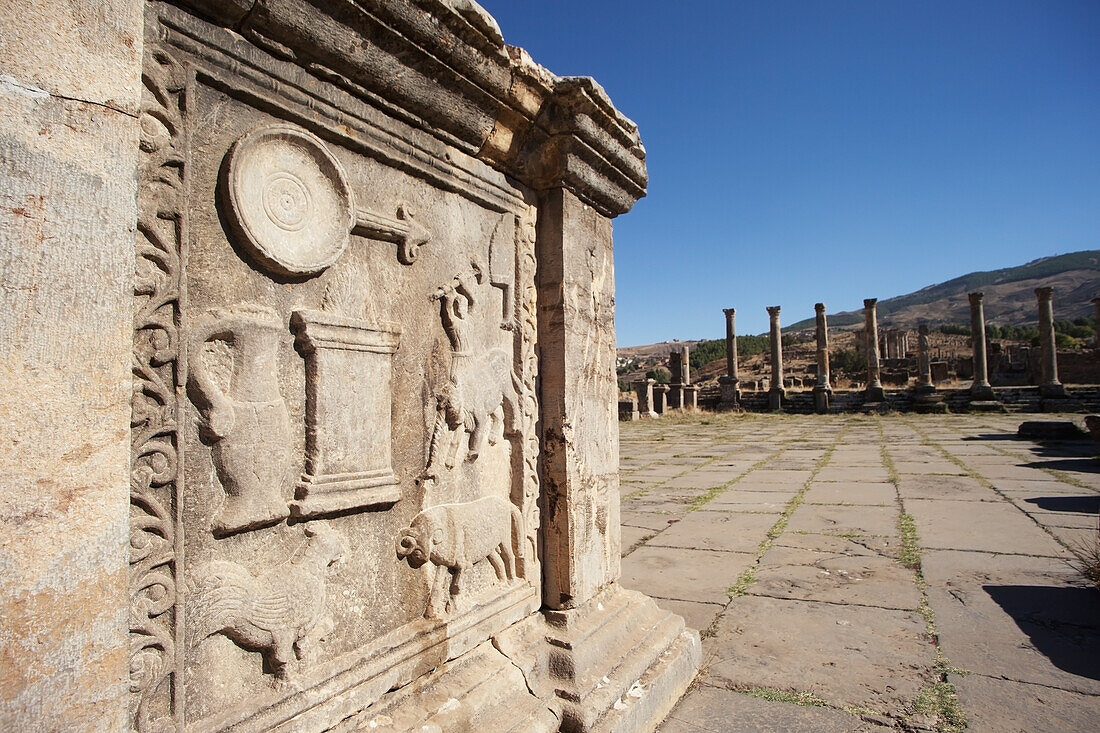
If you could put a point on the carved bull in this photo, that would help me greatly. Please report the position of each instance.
(452, 537)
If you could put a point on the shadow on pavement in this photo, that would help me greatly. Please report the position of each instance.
(1080, 465)
(1074, 504)
(1063, 623)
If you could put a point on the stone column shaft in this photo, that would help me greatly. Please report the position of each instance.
(578, 401)
(874, 391)
(776, 393)
(1048, 351)
(1096, 340)
(980, 390)
(822, 347)
(731, 341)
(924, 359)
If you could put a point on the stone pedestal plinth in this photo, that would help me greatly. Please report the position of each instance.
(730, 393)
(660, 398)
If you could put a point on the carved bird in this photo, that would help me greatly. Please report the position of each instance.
(272, 613)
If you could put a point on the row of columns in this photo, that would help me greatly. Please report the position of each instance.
(897, 346)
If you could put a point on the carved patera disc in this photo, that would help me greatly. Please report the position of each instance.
(289, 200)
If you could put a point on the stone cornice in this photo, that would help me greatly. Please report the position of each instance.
(443, 66)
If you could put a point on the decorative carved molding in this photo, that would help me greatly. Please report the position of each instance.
(450, 538)
(154, 434)
(247, 426)
(279, 613)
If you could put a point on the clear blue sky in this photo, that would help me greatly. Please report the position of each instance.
(832, 151)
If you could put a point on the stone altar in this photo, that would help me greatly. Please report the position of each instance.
(372, 458)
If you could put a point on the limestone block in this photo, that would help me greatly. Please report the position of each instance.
(579, 397)
(67, 215)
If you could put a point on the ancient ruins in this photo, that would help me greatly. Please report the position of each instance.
(368, 464)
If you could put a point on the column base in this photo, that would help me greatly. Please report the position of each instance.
(1052, 389)
(619, 663)
(821, 399)
(874, 394)
(776, 397)
(982, 393)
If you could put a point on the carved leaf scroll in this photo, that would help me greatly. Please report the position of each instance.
(154, 458)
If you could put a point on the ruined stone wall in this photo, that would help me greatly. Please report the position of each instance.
(69, 98)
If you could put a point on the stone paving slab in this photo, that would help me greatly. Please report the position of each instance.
(716, 531)
(1013, 707)
(1016, 631)
(852, 474)
(985, 526)
(686, 575)
(711, 710)
(824, 608)
(831, 519)
(867, 657)
(961, 488)
(871, 494)
(736, 496)
(864, 579)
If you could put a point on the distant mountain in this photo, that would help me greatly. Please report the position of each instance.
(1009, 296)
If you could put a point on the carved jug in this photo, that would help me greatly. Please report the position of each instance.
(246, 424)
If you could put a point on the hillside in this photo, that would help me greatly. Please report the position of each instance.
(1009, 295)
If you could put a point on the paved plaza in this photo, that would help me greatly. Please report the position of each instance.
(854, 573)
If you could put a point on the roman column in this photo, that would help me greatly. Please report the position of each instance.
(729, 384)
(874, 391)
(1049, 386)
(776, 394)
(1096, 340)
(924, 360)
(980, 391)
(822, 390)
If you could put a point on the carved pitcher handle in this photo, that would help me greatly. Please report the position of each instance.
(214, 406)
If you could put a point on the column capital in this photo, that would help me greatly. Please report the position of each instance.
(975, 297)
(869, 302)
(773, 310)
(1045, 292)
(819, 307)
(733, 311)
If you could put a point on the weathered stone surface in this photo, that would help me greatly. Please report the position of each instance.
(883, 654)
(342, 471)
(983, 526)
(865, 579)
(724, 531)
(838, 520)
(713, 709)
(996, 704)
(687, 575)
(69, 80)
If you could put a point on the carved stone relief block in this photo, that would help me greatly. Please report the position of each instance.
(247, 424)
(449, 539)
(348, 413)
(278, 612)
(289, 200)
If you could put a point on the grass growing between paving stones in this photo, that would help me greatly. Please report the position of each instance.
(938, 700)
(796, 697)
(748, 577)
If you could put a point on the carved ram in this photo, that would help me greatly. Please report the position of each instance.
(450, 538)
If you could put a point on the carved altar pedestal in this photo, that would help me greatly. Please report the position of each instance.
(348, 413)
(371, 470)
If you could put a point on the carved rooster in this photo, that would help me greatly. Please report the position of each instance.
(275, 612)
